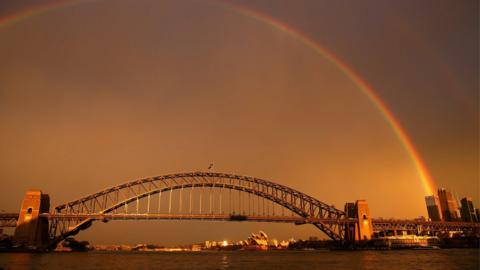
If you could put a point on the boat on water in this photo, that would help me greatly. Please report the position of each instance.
(427, 247)
(408, 242)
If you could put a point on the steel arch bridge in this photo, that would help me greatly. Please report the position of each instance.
(197, 196)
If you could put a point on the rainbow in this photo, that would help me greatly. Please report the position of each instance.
(423, 174)
(35, 10)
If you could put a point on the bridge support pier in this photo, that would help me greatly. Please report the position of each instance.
(31, 231)
(362, 230)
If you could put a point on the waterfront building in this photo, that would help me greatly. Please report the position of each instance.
(448, 205)
(468, 210)
(433, 208)
(257, 241)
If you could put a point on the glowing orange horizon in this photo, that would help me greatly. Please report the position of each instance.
(426, 180)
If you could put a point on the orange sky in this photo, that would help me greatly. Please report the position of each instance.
(103, 93)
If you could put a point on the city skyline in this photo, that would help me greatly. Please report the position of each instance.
(444, 206)
(95, 93)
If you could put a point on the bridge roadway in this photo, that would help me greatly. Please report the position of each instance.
(10, 219)
(205, 217)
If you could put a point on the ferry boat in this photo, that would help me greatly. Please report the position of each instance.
(407, 241)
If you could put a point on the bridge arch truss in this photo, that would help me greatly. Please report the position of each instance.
(185, 195)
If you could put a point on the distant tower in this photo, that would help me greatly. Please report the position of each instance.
(433, 208)
(31, 231)
(468, 210)
(448, 204)
(363, 229)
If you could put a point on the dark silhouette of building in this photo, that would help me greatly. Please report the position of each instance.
(468, 210)
(449, 205)
(350, 210)
(433, 208)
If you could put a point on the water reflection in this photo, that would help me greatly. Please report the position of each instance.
(224, 264)
(20, 261)
(368, 259)
(308, 260)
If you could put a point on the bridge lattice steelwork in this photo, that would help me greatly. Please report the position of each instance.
(214, 197)
(197, 195)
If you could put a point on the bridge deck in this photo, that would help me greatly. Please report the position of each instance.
(10, 220)
(207, 217)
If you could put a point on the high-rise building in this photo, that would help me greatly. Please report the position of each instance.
(448, 204)
(433, 208)
(468, 211)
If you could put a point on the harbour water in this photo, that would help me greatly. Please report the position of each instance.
(443, 259)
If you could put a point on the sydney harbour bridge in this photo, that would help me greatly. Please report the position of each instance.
(206, 196)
